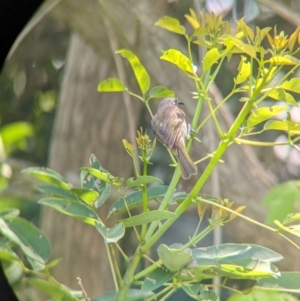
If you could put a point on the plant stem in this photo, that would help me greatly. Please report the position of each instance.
(128, 277)
(112, 268)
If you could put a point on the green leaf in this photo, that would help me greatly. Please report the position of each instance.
(7, 253)
(210, 58)
(31, 236)
(104, 176)
(15, 132)
(287, 282)
(75, 209)
(281, 95)
(88, 196)
(288, 126)
(174, 259)
(139, 70)
(281, 200)
(292, 85)
(262, 114)
(156, 279)
(234, 251)
(241, 268)
(91, 182)
(177, 58)
(135, 199)
(170, 24)
(132, 295)
(290, 218)
(284, 60)
(142, 180)
(111, 85)
(161, 92)
(48, 175)
(231, 42)
(147, 217)
(53, 289)
(200, 292)
(7, 213)
(111, 235)
(30, 239)
(56, 192)
(244, 71)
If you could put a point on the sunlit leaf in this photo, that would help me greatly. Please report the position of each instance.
(88, 196)
(15, 132)
(104, 176)
(284, 60)
(172, 258)
(292, 229)
(128, 147)
(139, 70)
(111, 85)
(170, 24)
(231, 42)
(142, 180)
(48, 175)
(192, 19)
(177, 58)
(262, 114)
(281, 95)
(210, 58)
(161, 92)
(292, 85)
(244, 71)
(111, 235)
(293, 39)
(201, 31)
(91, 182)
(290, 218)
(147, 217)
(288, 126)
(135, 199)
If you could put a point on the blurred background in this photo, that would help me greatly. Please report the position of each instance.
(52, 115)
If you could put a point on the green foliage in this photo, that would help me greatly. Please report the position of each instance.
(180, 266)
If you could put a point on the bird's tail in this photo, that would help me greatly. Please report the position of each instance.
(186, 164)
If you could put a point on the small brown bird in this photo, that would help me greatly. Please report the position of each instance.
(171, 129)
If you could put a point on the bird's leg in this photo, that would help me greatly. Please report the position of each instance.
(189, 131)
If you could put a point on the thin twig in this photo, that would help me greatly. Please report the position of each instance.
(82, 289)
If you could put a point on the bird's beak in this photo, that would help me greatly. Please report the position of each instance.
(180, 103)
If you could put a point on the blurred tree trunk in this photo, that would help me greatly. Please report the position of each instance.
(88, 122)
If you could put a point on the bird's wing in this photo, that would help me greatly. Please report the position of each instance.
(168, 125)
